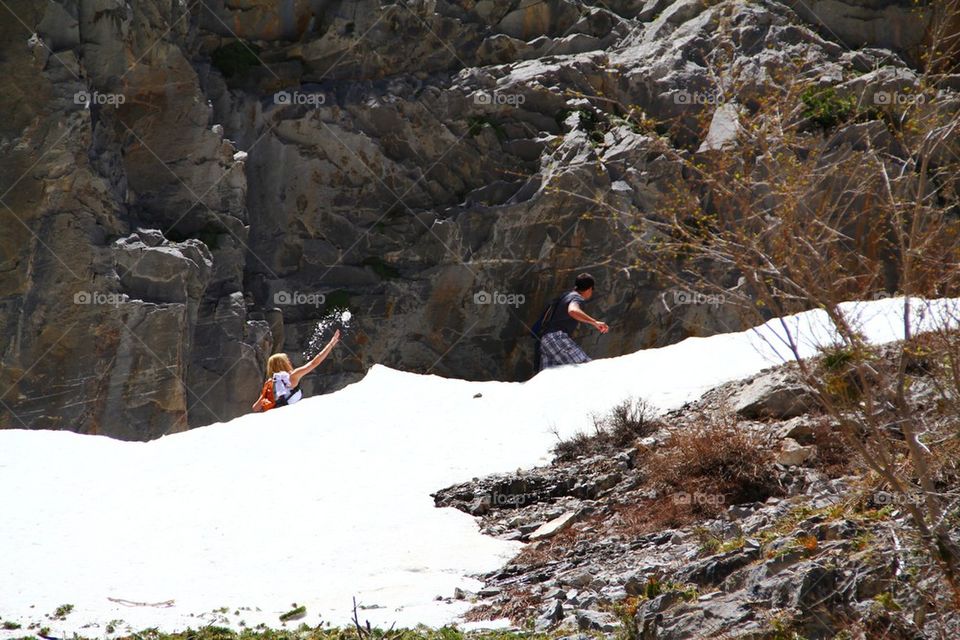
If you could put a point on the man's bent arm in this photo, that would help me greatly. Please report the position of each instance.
(579, 315)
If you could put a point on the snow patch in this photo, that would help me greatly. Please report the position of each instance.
(328, 499)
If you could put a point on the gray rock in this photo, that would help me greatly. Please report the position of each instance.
(550, 616)
(793, 453)
(884, 23)
(713, 570)
(576, 578)
(774, 394)
(801, 428)
(530, 528)
(555, 526)
(534, 19)
(596, 621)
(724, 128)
(555, 594)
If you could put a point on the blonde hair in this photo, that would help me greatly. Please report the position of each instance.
(278, 362)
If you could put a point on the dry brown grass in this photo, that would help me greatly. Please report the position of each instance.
(835, 457)
(516, 607)
(544, 551)
(656, 514)
(712, 465)
(615, 431)
(696, 473)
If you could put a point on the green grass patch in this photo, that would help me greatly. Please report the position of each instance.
(296, 613)
(63, 611)
(320, 632)
(838, 358)
(711, 544)
(826, 107)
(887, 602)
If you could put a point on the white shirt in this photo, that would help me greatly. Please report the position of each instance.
(282, 388)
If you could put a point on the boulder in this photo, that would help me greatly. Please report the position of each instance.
(555, 526)
(803, 429)
(534, 18)
(163, 271)
(890, 24)
(552, 614)
(792, 453)
(776, 394)
(576, 578)
(597, 621)
(724, 127)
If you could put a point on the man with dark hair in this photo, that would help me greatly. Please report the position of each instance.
(559, 321)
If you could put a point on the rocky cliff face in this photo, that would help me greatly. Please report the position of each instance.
(189, 187)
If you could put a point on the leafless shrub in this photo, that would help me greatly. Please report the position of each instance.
(710, 466)
(807, 217)
(617, 430)
(825, 197)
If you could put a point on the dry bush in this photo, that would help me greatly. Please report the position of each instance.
(712, 465)
(793, 217)
(825, 196)
(516, 607)
(945, 466)
(835, 457)
(697, 473)
(883, 621)
(613, 432)
(647, 516)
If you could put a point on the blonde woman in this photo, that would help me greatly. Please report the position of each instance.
(282, 386)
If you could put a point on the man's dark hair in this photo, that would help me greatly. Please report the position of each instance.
(584, 282)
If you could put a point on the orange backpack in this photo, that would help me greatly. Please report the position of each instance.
(269, 402)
